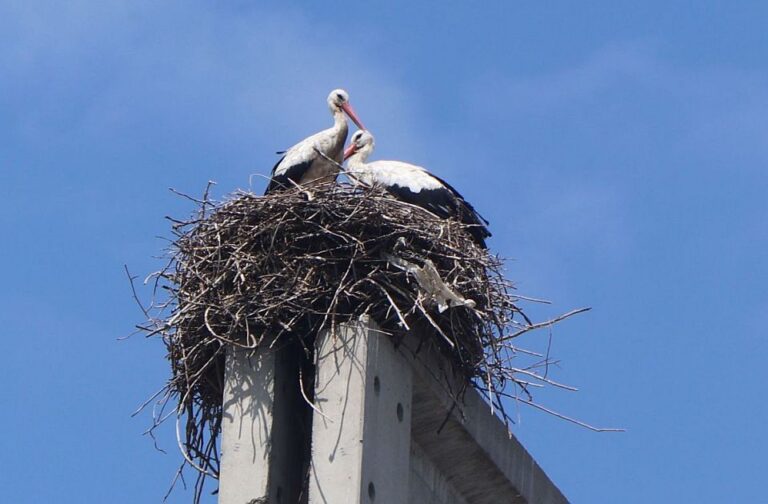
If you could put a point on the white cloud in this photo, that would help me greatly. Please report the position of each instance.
(226, 77)
(573, 86)
(587, 156)
(631, 93)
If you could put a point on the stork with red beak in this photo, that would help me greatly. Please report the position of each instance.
(302, 164)
(413, 184)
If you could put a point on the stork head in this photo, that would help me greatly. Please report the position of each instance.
(363, 141)
(338, 101)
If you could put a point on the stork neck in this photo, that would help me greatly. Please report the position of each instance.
(339, 120)
(360, 157)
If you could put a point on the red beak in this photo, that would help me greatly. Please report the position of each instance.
(349, 151)
(346, 107)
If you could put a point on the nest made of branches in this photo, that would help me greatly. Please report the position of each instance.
(261, 271)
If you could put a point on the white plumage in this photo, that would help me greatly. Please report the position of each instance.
(302, 164)
(413, 184)
(390, 173)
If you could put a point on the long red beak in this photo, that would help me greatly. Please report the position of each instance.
(349, 151)
(346, 107)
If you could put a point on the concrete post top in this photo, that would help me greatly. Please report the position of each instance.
(384, 429)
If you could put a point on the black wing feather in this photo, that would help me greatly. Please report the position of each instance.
(464, 202)
(446, 203)
(292, 174)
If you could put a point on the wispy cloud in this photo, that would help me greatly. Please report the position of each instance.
(592, 157)
(573, 86)
(627, 91)
(230, 78)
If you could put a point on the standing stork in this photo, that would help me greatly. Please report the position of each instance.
(302, 164)
(413, 184)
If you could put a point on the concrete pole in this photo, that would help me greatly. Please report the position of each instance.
(246, 427)
(361, 437)
(265, 428)
(384, 430)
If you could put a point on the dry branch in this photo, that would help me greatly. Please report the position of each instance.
(263, 271)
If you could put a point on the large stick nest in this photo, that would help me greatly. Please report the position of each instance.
(261, 271)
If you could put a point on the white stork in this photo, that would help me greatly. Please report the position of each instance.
(302, 164)
(413, 184)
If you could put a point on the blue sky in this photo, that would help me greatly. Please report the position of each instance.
(619, 150)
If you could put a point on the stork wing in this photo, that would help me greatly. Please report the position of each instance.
(467, 206)
(416, 185)
(468, 215)
(287, 175)
(293, 165)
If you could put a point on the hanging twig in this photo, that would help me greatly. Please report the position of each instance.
(255, 271)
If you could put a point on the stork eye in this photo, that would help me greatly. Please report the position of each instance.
(340, 96)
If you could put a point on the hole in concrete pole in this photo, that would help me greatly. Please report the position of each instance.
(399, 412)
(371, 491)
(376, 385)
(279, 495)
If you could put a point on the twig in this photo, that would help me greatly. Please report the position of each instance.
(276, 269)
(569, 419)
(546, 323)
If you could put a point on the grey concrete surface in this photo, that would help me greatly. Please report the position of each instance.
(361, 441)
(246, 427)
(385, 429)
(469, 445)
(265, 429)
